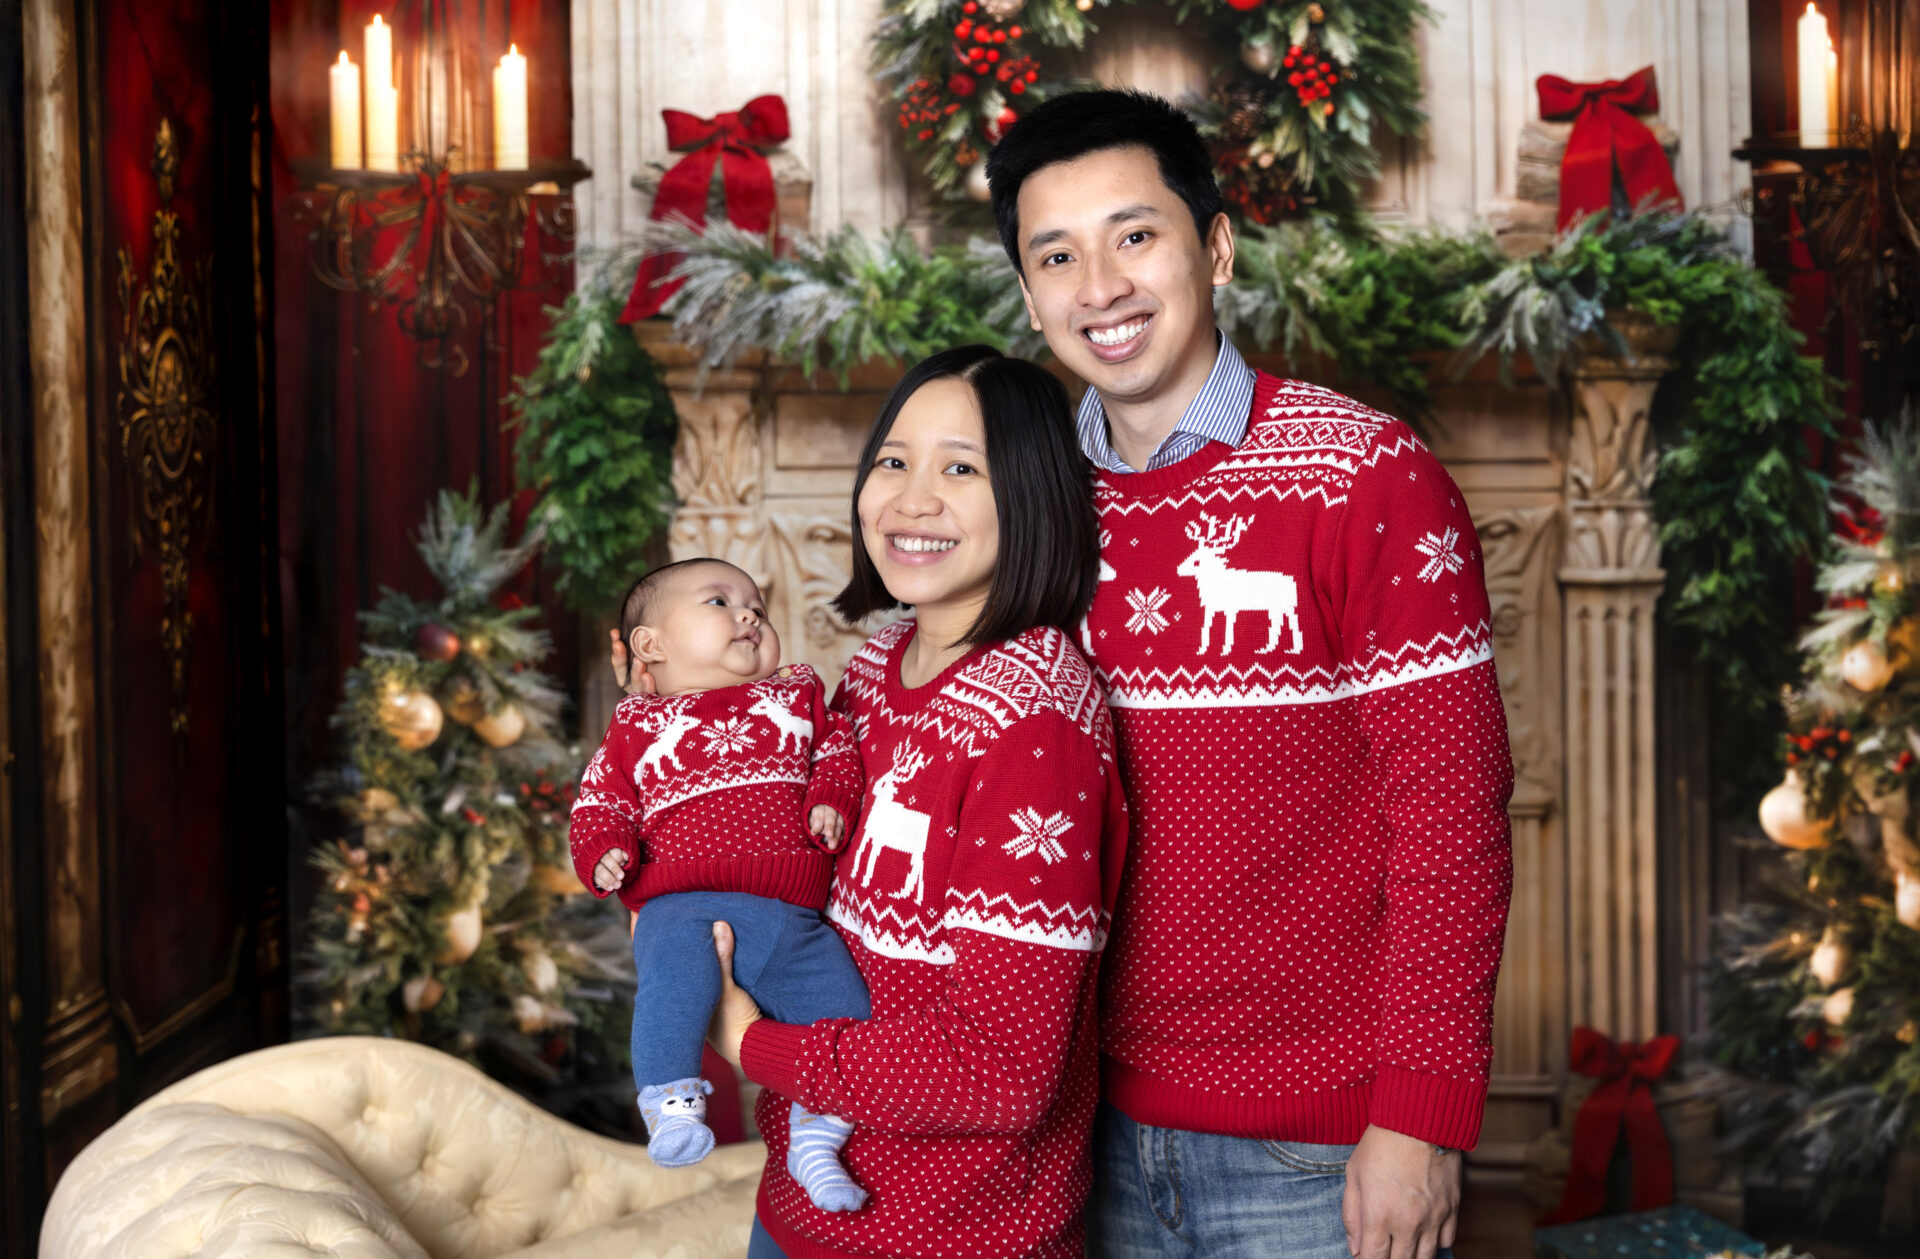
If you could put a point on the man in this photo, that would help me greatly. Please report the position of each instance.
(1293, 628)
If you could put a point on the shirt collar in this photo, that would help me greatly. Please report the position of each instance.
(1219, 412)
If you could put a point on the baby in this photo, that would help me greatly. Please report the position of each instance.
(722, 797)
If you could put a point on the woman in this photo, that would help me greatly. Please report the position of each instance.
(975, 896)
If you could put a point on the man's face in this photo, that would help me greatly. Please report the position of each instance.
(1116, 278)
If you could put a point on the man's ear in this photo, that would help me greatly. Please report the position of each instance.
(1033, 316)
(645, 645)
(1220, 250)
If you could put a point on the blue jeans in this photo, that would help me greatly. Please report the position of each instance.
(761, 1245)
(1161, 1192)
(787, 958)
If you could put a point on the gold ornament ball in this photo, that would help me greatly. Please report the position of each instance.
(1259, 56)
(413, 719)
(1908, 1033)
(1903, 643)
(1316, 14)
(464, 702)
(1084, 6)
(1838, 1007)
(1831, 960)
(1865, 667)
(501, 729)
(462, 930)
(560, 880)
(542, 971)
(1783, 816)
(422, 993)
(530, 1013)
(976, 182)
(1906, 899)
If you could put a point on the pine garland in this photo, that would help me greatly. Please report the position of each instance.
(596, 432)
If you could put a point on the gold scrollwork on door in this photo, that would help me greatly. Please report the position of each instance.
(166, 422)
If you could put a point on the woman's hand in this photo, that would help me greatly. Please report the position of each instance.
(630, 675)
(736, 1011)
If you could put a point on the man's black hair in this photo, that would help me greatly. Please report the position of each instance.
(637, 606)
(1049, 560)
(1078, 123)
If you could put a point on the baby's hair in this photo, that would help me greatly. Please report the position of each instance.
(637, 607)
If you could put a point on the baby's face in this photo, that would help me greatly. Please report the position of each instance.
(710, 624)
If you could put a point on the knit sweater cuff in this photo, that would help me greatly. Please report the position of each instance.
(835, 797)
(588, 844)
(770, 1056)
(1430, 1107)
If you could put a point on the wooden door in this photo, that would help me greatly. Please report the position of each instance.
(145, 829)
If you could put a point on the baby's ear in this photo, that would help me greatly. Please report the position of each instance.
(645, 645)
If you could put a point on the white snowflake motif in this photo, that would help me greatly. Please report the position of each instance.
(728, 736)
(1147, 617)
(1441, 557)
(1038, 834)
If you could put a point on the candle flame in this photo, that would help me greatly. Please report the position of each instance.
(343, 58)
(377, 22)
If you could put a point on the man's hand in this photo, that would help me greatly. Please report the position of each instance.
(611, 869)
(826, 822)
(630, 675)
(736, 1011)
(1403, 1197)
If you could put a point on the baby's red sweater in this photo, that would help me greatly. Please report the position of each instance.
(711, 792)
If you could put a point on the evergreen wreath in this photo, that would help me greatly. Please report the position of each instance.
(1290, 114)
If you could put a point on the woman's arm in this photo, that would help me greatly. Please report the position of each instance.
(1025, 915)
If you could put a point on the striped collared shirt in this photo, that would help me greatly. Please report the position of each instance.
(1218, 413)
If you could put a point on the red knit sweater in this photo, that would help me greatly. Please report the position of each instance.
(710, 792)
(976, 903)
(1295, 637)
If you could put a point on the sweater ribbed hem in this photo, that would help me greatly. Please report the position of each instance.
(1328, 1116)
(1430, 1107)
(1070, 1244)
(770, 1056)
(799, 878)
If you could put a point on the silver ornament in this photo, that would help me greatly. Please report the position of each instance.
(1258, 55)
(1001, 10)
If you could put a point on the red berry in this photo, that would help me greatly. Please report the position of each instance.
(993, 54)
(1294, 79)
(1008, 117)
(1017, 87)
(1287, 61)
(1014, 31)
(969, 8)
(926, 135)
(1332, 79)
(1793, 758)
(981, 35)
(1293, 50)
(999, 37)
(979, 67)
(1033, 76)
(963, 30)
(960, 85)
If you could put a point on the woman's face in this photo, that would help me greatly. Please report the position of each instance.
(927, 515)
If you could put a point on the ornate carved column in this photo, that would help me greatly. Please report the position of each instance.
(77, 1053)
(1611, 578)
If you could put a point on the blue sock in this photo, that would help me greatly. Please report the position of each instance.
(814, 1143)
(676, 1115)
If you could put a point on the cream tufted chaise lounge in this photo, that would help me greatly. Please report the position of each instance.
(365, 1148)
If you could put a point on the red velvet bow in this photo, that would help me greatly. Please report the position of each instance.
(1605, 132)
(733, 140)
(1624, 1098)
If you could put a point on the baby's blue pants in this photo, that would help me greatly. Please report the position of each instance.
(788, 959)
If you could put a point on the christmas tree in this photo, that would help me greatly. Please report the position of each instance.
(1816, 993)
(452, 915)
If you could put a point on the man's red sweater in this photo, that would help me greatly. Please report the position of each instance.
(1295, 638)
(976, 903)
(710, 792)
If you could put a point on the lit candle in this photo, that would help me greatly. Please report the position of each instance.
(510, 111)
(1816, 63)
(345, 85)
(379, 53)
(383, 99)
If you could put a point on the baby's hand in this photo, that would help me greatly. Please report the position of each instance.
(825, 822)
(608, 873)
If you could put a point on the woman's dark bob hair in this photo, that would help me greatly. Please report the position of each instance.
(1049, 561)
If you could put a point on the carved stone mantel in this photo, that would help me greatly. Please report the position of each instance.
(765, 462)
